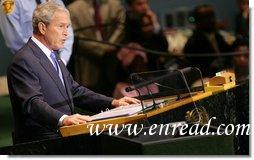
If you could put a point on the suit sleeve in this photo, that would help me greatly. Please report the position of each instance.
(26, 88)
(87, 99)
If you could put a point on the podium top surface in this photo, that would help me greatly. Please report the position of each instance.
(85, 128)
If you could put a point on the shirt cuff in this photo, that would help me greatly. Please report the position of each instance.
(60, 122)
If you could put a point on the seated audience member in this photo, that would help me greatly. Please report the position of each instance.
(206, 40)
(241, 59)
(142, 7)
(242, 19)
(142, 31)
(142, 27)
(144, 35)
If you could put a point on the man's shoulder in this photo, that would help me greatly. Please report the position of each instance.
(25, 53)
(23, 58)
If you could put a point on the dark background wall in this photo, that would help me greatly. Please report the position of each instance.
(225, 9)
(5, 56)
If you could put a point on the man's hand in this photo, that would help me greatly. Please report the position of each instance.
(127, 55)
(76, 119)
(152, 16)
(124, 101)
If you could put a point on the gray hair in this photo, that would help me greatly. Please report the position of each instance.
(44, 12)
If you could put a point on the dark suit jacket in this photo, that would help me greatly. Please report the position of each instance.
(39, 98)
(198, 43)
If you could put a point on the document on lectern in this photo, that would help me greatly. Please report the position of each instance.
(124, 110)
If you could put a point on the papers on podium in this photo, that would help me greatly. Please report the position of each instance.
(123, 111)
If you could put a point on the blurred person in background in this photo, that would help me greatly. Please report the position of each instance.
(142, 27)
(142, 31)
(142, 7)
(95, 63)
(241, 59)
(242, 19)
(207, 40)
(145, 34)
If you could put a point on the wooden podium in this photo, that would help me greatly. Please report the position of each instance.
(84, 128)
(228, 106)
(221, 82)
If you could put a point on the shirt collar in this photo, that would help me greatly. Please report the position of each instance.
(44, 49)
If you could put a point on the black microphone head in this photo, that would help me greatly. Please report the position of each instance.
(128, 89)
(187, 69)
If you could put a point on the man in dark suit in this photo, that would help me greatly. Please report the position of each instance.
(43, 93)
(207, 40)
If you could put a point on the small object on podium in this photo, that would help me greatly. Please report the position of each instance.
(197, 115)
(117, 112)
(221, 78)
(222, 81)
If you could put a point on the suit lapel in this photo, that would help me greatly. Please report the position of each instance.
(46, 64)
(67, 87)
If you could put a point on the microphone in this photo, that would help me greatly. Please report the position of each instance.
(157, 79)
(130, 88)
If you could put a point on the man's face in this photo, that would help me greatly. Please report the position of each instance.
(56, 32)
(244, 5)
(140, 6)
(147, 26)
(242, 60)
(207, 20)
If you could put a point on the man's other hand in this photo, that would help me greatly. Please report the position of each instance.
(76, 119)
(124, 101)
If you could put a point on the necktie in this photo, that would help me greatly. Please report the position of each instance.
(53, 56)
(54, 59)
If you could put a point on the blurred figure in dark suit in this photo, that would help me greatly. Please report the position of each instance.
(142, 30)
(147, 32)
(206, 40)
(242, 19)
(241, 59)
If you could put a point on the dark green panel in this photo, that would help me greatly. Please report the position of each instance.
(6, 121)
(5, 56)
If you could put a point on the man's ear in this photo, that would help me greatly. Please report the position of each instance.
(42, 28)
